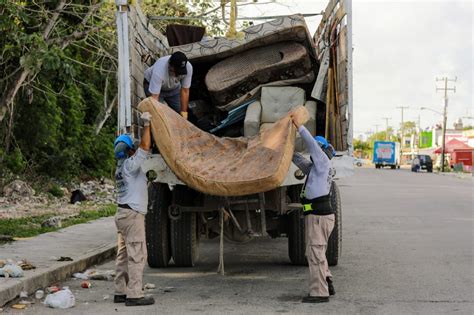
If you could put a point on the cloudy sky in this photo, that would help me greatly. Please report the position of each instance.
(400, 47)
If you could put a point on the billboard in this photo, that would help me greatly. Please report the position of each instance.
(426, 139)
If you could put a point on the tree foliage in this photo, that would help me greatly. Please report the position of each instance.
(58, 82)
(409, 128)
(56, 59)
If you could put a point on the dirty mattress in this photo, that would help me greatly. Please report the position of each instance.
(223, 166)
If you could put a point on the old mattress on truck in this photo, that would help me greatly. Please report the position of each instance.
(283, 29)
(223, 166)
(235, 76)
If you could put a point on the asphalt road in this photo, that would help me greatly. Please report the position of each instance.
(407, 249)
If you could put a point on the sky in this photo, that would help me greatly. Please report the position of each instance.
(400, 48)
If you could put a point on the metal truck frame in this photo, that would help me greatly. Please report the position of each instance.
(178, 216)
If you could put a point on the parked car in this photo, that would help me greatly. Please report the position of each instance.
(426, 163)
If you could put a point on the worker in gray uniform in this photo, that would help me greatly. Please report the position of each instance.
(169, 80)
(318, 213)
(132, 199)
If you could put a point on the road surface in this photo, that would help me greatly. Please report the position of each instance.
(407, 248)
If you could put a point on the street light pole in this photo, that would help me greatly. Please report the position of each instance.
(386, 127)
(445, 118)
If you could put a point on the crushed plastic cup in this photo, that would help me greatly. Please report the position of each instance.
(39, 294)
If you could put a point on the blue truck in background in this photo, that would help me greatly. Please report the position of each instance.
(386, 153)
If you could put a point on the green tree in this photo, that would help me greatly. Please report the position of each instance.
(57, 60)
(409, 128)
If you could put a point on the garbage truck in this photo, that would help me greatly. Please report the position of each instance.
(288, 67)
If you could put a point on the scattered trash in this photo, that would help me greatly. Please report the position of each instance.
(53, 289)
(39, 294)
(149, 286)
(54, 222)
(77, 196)
(2, 263)
(53, 258)
(19, 306)
(23, 294)
(93, 274)
(106, 297)
(65, 258)
(85, 284)
(26, 265)
(11, 270)
(61, 299)
(25, 302)
(79, 275)
(169, 289)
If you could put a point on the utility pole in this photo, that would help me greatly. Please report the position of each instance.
(402, 127)
(376, 132)
(402, 133)
(419, 132)
(445, 114)
(386, 127)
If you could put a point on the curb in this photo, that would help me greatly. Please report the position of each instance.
(58, 272)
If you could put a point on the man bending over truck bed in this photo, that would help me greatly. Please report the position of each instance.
(169, 79)
(318, 212)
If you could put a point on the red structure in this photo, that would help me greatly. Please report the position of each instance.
(459, 153)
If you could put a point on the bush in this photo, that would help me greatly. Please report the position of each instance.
(56, 191)
(14, 161)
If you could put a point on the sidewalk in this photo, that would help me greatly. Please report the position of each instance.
(87, 244)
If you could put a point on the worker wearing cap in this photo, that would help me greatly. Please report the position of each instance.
(132, 199)
(318, 213)
(169, 79)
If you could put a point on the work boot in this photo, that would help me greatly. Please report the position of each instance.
(120, 298)
(146, 300)
(315, 299)
(330, 286)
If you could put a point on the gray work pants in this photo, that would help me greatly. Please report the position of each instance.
(318, 229)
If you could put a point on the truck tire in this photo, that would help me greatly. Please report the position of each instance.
(157, 225)
(184, 231)
(296, 230)
(377, 166)
(393, 167)
(333, 252)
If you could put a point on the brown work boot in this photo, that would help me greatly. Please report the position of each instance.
(315, 299)
(146, 300)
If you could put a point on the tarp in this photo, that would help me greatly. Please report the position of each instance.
(223, 166)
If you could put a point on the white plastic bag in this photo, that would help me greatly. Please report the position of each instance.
(79, 275)
(61, 299)
(11, 270)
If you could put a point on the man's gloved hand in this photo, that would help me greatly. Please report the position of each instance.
(185, 115)
(146, 118)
